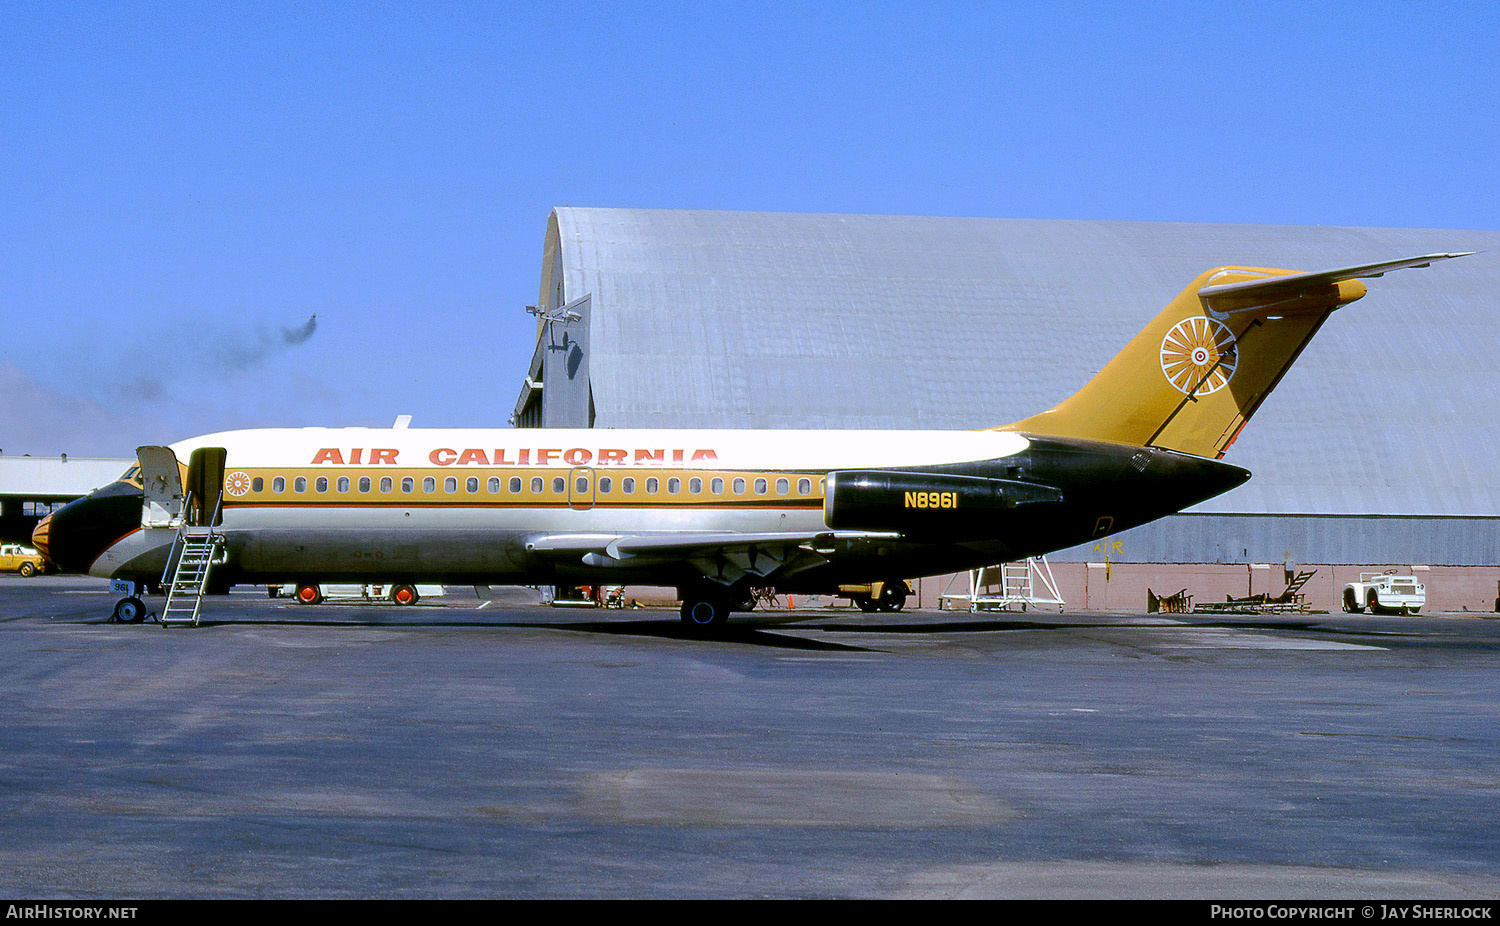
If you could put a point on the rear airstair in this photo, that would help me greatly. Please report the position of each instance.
(195, 552)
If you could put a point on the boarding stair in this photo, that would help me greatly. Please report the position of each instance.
(194, 554)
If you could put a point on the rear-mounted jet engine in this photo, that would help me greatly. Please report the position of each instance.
(918, 504)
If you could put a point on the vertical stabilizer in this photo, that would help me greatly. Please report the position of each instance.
(1192, 378)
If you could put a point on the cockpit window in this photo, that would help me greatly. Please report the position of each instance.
(133, 475)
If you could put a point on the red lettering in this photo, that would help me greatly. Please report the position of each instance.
(677, 456)
(355, 454)
(612, 456)
(387, 455)
(500, 459)
(704, 455)
(649, 456)
(578, 456)
(473, 456)
(525, 458)
(543, 457)
(328, 455)
(442, 456)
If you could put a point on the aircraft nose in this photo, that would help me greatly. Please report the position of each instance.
(73, 536)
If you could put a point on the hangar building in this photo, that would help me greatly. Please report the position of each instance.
(31, 487)
(1376, 450)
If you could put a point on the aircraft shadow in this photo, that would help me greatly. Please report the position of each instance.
(762, 633)
(1186, 623)
(669, 629)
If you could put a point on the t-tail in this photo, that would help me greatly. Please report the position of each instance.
(1193, 377)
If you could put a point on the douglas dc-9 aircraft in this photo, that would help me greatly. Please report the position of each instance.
(716, 513)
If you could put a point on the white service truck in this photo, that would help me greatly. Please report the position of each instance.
(1384, 593)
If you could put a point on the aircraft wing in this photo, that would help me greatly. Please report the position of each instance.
(720, 556)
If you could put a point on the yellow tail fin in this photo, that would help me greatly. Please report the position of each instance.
(1192, 378)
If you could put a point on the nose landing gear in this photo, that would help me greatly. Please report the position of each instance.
(130, 610)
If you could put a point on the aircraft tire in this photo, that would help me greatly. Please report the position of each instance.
(404, 595)
(129, 611)
(308, 594)
(705, 614)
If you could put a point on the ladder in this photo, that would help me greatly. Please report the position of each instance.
(1025, 584)
(194, 554)
(1015, 582)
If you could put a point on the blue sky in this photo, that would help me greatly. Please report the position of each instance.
(182, 184)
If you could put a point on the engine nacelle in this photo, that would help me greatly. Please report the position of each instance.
(928, 503)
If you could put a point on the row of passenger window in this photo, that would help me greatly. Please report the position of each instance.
(651, 485)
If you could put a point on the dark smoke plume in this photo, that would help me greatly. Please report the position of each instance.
(246, 352)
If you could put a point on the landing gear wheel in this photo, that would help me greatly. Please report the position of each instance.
(129, 611)
(705, 614)
(26, 570)
(404, 594)
(309, 594)
(892, 596)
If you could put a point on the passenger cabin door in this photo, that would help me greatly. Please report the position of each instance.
(206, 485)
(161, 480)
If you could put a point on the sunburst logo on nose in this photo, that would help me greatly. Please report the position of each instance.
(1198, 356)
(237, 483)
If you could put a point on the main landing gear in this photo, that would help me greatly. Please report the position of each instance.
(708, 609)
(705, 613)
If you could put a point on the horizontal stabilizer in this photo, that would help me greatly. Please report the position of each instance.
(1229, 298)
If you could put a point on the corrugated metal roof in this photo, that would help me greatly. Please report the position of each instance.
(723, 319)
(43, 477)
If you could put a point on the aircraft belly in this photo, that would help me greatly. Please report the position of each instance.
(459, 542)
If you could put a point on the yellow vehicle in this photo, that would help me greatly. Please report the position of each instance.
(16, 558)
(877, 596)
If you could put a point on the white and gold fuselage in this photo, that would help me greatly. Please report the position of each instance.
(463, 503)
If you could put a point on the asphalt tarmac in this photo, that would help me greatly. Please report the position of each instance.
(457, 750)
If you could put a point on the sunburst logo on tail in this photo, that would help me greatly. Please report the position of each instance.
(1198, 356)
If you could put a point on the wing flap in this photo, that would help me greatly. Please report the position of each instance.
(619, 545)
(695, 540)
(725, 557)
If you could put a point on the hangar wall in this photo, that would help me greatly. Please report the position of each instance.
(1377, 447)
